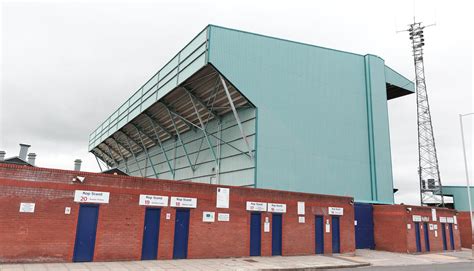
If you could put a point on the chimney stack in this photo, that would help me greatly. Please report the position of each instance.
(23, 151)
(31, 158)
(2, 156)
(77, 164)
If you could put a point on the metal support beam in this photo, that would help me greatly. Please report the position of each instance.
(145, 148)
(192, 96)
(160, 143)
(168, 108)
(220, 139)
(133, 154)
(170, 113)
(121, 155)
(203, 128)
(237, 118)
(130, 139)
(157, 123)
(110, 150)
(98, 163)
(103, 155)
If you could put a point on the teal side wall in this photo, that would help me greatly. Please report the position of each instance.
(322, 114)
(459, 194)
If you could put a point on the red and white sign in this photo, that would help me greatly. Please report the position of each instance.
(183, 202)
(91, 196)
(256, 206)
(153, 200)
(277, 207)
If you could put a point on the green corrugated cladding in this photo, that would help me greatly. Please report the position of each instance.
(459, 194)
(322, 113)
(394, 78)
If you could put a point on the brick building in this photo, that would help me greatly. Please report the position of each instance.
(415, 229)
(58, 227)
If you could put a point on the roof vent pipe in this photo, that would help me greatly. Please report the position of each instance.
(77, 164)
(31, 158)
(23, 151)
(2, 155)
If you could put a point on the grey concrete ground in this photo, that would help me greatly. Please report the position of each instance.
(424, 267)
(378, 260)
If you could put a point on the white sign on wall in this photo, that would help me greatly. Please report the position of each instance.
(335, 211)
(266, 227)
(208, 216)
(223, 217)
(431, 227)
(277, 207)
(455, 220)
(433, 214)
(91, 196)
(417, 218)
(450, 220)
(256, 206)
(183, 202)
(153, 200)
(425, 218)
(328, 226)
(301, 207)
(442, 219)
(27, 207)
(301, 219)
(222, 199)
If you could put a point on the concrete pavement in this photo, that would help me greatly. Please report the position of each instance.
(379, 260)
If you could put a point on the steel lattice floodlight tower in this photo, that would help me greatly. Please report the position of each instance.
(430, 181)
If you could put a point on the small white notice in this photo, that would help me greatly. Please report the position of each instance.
(266, 227)
(153, 200)
(208, 216)
(442, 219)
(27, 207)
(425, 218)
(409, 226)
(168, 216)
(436, 233)
(277, 207)
(450, 220)
(455, 220)
(301, 207)
(433, 214)
(335, 211)
(256, 206)
(67, 210)
(222, 199)
(435, 226)
(416, 218)
(183, 202)
(91, 196)
(328, 226)
(455, 227)
(431, 227)
(301, 219)
(223, 217)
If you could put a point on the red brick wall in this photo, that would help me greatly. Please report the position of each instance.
(48, 234)
(465, 227)
(392, 233)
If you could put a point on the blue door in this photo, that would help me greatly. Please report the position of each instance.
(255, 232)
(319, 234)
(427, 236)
(181, 233)
(364, 229)
(336, 247)
(417, 235)
(85, 233)
(150, 234)
(451, 236)
(276, 234)
(443, 233)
